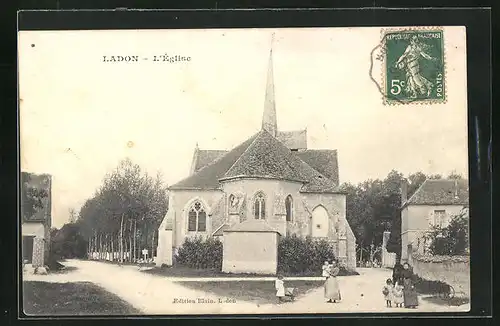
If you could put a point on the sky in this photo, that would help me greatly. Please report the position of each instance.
(79, 115)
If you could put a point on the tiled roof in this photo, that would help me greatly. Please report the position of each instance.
(252, 225)
(323, 160)
(296, 139)
(441, 192)
(267, 157)
(206, 156)
(40, 181)
(208, 177)
(261, 156)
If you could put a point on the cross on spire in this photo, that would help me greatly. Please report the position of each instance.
(269, 121)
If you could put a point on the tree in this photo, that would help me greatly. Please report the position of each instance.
(68, 242)
(373, 206)
(125, 211)
(73, 216)
(454, 176)
(453, 239)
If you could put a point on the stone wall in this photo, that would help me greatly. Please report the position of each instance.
(453, 270)
(261, 259)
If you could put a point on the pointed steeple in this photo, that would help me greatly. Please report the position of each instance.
(269, 122)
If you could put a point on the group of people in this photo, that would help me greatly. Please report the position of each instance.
(400, 290)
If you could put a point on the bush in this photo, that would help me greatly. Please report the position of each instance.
(68, 242)
(200, 254)
(452, 240)
(424, 286)
(298, 255)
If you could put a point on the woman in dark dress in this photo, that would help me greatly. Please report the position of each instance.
(409, 291)
(397, 273)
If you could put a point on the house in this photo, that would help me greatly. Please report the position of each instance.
(434, 203)
(272, 177)
(35, 228)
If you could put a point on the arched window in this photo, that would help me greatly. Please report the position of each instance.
(259, 207)
(197, 218)
(289, 208)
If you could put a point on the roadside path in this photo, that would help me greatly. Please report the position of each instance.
(155, 294)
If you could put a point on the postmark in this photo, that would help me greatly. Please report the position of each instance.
(413, 66)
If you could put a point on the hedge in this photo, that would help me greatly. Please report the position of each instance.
(199, 253)
(296, 255)
(303, 256)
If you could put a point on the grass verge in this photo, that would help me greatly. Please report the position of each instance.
(81, 298)
(456, 301)
(180, 271)
(260, 292)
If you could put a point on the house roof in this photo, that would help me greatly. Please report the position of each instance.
(296, 139)
(207, 156)
(252, 225)
(441, 192)
(261, 156)
(323, 160)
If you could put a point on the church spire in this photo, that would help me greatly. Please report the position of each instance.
(269, 122)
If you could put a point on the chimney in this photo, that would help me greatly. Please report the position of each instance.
(404, 191)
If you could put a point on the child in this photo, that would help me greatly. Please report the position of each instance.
(387, 292)
(397, 295)
(326, 270)
(279, 284)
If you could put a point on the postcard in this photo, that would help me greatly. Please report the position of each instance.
(244, 171)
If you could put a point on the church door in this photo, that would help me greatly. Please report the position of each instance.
(319, 222)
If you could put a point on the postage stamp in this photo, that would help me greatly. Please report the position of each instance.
(414, 70)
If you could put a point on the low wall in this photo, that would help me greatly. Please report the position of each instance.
(453, 270)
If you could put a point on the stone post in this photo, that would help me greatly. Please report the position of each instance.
(38, 252)
(342, 244)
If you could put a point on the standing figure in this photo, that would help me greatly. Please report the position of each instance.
(409, 291)
(416, 84)
(397, 295)
(279, 284)
(332, 289)
(397, 271)
(326, 270)
(387, 291)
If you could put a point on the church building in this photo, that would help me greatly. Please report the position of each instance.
(271, 177)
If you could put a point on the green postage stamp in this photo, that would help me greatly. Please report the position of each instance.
(414, 70)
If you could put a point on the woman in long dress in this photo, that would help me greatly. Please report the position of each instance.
(409, 291)
(416, 84)
(332, 289)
